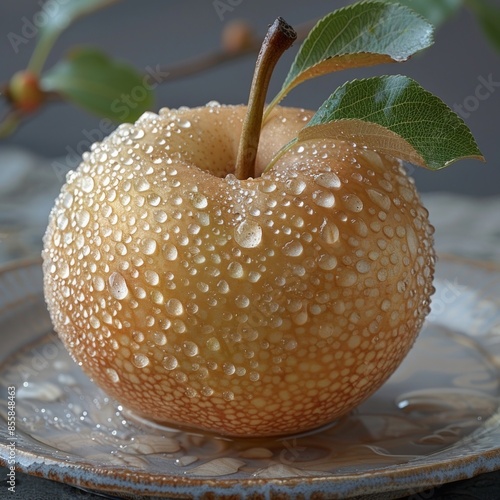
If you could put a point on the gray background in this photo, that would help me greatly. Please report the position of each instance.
(152, 31)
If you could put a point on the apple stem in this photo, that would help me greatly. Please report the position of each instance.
(279, 37)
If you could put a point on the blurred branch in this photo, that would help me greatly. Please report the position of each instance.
(238, 42)
(211, 60)
(87, 75)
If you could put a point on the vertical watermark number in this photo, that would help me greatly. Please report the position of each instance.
(11, 442)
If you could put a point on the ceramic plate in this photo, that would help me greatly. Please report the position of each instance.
(436, 420)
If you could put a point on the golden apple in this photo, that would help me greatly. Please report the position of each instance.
(256, 306)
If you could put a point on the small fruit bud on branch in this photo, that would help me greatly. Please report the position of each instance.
(24, 91)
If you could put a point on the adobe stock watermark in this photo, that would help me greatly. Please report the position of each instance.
(446, 294)
(482, 92)
(122, 107)
(30, 27)
(12, 438)
(41, 359)
(222, 7)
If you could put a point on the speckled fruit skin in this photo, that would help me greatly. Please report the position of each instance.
(243, 307)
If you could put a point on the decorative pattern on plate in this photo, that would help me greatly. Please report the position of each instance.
(440, 408)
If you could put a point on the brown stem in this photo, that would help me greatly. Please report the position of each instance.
(280, 37)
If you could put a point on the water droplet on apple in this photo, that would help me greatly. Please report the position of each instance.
(328, 180)
(160, 216)
(242, 301)
(228, 395)
(222, 286)
(327, 262)
(248, 234)
(326, 330)
(170, 362)
(207, 391)
(190, 392)
(62, 269)
(67, 200)
(235, 270)
(363, 266)
(254, 276)
(228, 368)
(411, 237)
(62, 222)
(330, 232)
(324, 199)
(346, 277)
(149, 246)
(137, 133)
(380, 199)
(189, 348)
(152, 277)
(293, 248)
(141, 185)
(157, 297)
(140, 360)
(300, 318)
(118, 286)
(98, 283)
(352, 203)
(296, 186)
(386, 304)
(174, 307)
(382, 275)
(159, 338)
(153, 199)
(170, 251)
(82, 218)
(199, 201)
(86, 184)
(267, 186)
(213, 344)
(112, 375)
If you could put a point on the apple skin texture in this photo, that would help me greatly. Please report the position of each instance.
(243, 307)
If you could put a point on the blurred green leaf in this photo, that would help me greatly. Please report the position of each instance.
(435, 11)
(59, 16)
(101, 85)
(396, 116)
(489, 19)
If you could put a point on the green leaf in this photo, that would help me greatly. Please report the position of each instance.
(393, 115)
(489, 19)
(435, 11)
(362, 34)
(58, 17)
(100, 85)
